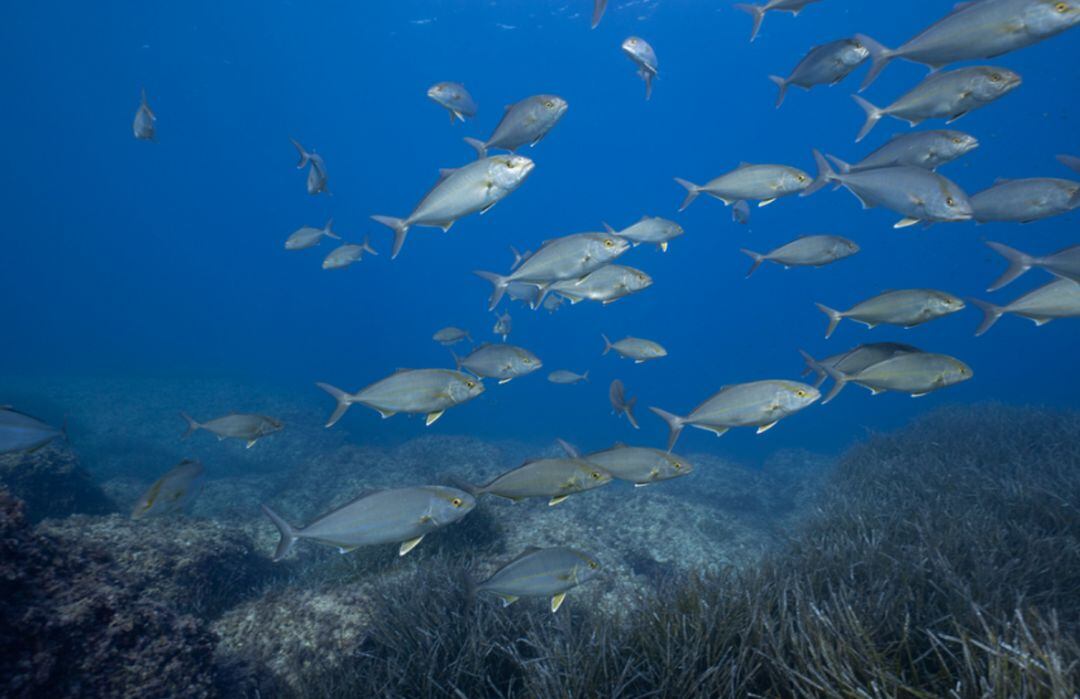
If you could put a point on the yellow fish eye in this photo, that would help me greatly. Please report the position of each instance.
(549, 104)
(608, 243)
(469, 384)
(595, 476)
(456, 502)
(677, 465)
(800, 393)
(802, 178)
(1062, 7)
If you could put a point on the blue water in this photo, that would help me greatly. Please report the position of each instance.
(125, 258)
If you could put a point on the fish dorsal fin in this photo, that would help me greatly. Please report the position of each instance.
(402, 369)
(445, 172)
(609, 229)
(1002, 180)
(618, 445)
(742, 164)
(571, 451)
(960, 7)
(529, 550)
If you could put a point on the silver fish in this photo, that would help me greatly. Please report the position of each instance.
(641, 53)
(501, 361)
(762, 183)
(21, 433)
(249, 428)
(634, 348)
(398, 515)
(317, 177)
(905, 307)
(503, 325)
(451, 336)
(473, 188)
(525, 122)
(344, 255)
(926, 149)
(758, 11)
(606, 285)
(1023, 201)
(552, 303)
(308, 237)
(455, 98)
(948, 96)
(541, 573)
(1063, 263)
(425, 391)
(599, 6)
(1058, 299)
(916, 194)
(562, 376)
(639, 465)
(650, 230)
(620, 404)
(981, 29)
(855, 359)
(807, 251)
(758, 404)
(740, 212)
(556, 479)
(916, 373)
(171, 493)
(143, 125)
(823, 65)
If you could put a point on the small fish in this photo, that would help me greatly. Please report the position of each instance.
(948, 96)
(455, 98)
(525, 122)
(1023, 201)
(807, 251)
(823, 65)
(606, 285)
(740, 212)
(906, 308)
(424, 391)
(855, 360)
(398, 515)
(556, 479)
(317, 177)
(758, 404)
(915, 373)
(451, 336)
(758, 11)
(552, 303)
(503, 362)
(641, 53)
(620, 404)
(650, 230)
(761, 183)
(562, 376)
(926, 149)
(345, 255)
(171, 493)
(634, 348)
(639, 465)
(308, 237)
(1070, 161)
(503, 325)
(1063, 263)
(249, 428)
(143, 126)
(1058, 299)
(21, 433)
(540, 572)
(599, 6)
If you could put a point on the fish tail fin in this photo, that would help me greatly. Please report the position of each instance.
(834, 318)
(1070, 161)
(500, 284)
(873, 116)
(288, 534)
(607, 344)
(329, 233)
(598, 12)
(1018, 264)
(880, 56)
(692, 191)
(813, 366)
(628, 408)
(991, 313)
(344, 400)
(366, 245)
(755, 11)
(825, 175)
(192, 426)
(781, 83)
(305, 157)
(585, 376)
(479, 146)
(843, 167)
(571, 451)
(400, 228)
(840, 379)
(757, 257)
(675, 425)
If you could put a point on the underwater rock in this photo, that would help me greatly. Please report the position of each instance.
(52, 483)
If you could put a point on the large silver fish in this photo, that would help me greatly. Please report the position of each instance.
(424, 391)
(345, 255)
(525, 122)
(916, 374)
(823, 65)
(143, 126)
(635, 348)
(621, 404)
(317, 177)
(1058, 299)
(758, 11)
(926, 149)
(473, 188)
(641, 53)
(246, 427)
(606, 285)
(308, 237)
(499, 361)
(556, 479)
(399, 515)
(171, 493)
(807, 251)
(21, 433)
(650, 229)
(1023, 201)
(904, 307)
(455, 98)
(541, 573)
(761, 183)
(854, 360)
(1063, 263)
(638, 465)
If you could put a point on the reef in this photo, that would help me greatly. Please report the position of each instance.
(52, 483)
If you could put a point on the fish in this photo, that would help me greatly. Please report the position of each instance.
(905, 307)
(641, 53)
(758, 404)
(916, 374)
(1058, 299)
(639, 465)
(827, 64)
(599, 7)
(855, 359)
(1026, 200)
(451, 336)
(620, 404)
(740, 212)
(606, 285)
(569, 257)
(476, 187)
(556, 479)
(308, 237)
(171, 493)
(396, 516)
(423, 391)
(918, 195)
(143, 126)
(552, 303)
(947, 96)
(538, 572)
(926, 149)
(21, 433)
(524, 122)
(807, 251)
(344, 255)
(1064, 263)
(758, 11)
(455, 98)
(761, 183)
(634, 348)
(503, 325)
(1070, 161)
(978, 30)
(650, 230)
(562, 376)
(246, 427)
(501, 361)
(317, 177)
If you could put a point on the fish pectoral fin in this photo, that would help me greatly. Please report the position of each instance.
(507, 600)
(502, 381)
(765, 202)
(1040, 320)
(905, 222)
(954, 117)
(432, 417)
(639, 361)
(663, 246)
(918, 395)
(409, 545)
(766, 428)
(251, 443)
(641, 485)
(556, 500)
(557, 601)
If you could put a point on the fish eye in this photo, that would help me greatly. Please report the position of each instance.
(801, 178)
(550, 104)
(456, 502)
(1062, 7)
(527, 360)
(470, 384)
(958, 140)
(676, 465)
(594, 565)
(995, 77)
(609, 243)
(595, 475)
(858, 44)
(800, 393)
(950, 201)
